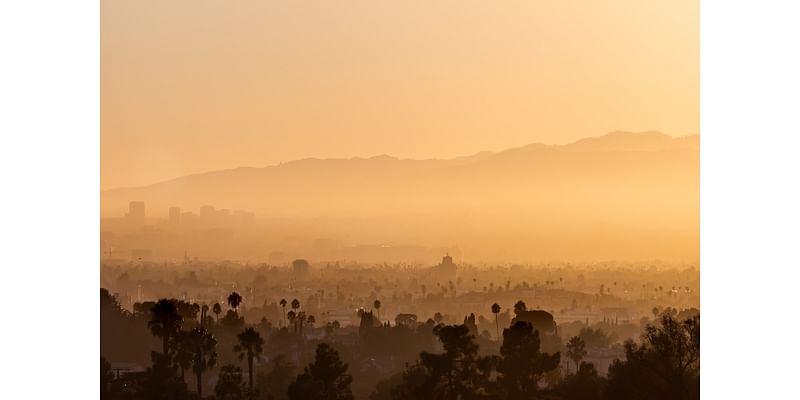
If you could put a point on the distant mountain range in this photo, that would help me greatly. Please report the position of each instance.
(633, 195)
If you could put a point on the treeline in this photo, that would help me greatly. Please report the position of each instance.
(186, 341)
(665, 365)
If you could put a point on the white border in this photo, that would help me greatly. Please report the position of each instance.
(750, 178)
(49, 198)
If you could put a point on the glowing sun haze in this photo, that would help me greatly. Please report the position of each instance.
(190, 86)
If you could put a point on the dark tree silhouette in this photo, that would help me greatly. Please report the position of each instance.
(229, 383)
(195, 310)
(301, 319)
(203, 314)
(161, 381)
(415, 383)
(273, 385)
(291, 315)
(217, 310)
(106, 379)
(523, 366)
(234, 299)
(454, 374)
(541, 320)
(165, 322)
(576, 350)
(249, 347)
(377, 305)
(495, 311)
(182, 350)
(326, 378)
(520, 307)
(283, 306)
(232, 321)
(204, 354)
(586, 384)
(107, 301)
(595, 338)
(666, 365)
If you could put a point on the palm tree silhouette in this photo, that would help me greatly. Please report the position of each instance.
(283, 305)
(217, 310)
(204, 354)
(203, 313)
(182, 348)
(165, 321)
(295, 306)
(377, 305)
(291, 315)
(234, 299)
(301, 317)
(250, 347)
(576, 350)
(495, 311)
(311, 321)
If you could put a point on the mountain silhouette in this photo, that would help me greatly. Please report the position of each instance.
(621, 195)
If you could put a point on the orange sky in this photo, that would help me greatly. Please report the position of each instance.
(196, 85)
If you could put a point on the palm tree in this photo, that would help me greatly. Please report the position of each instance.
(204, 354)
(217, 310)
(234, 299)
(165, 322)
(203, 313)
(182, 348)
(311, 321)
(295, 304)
(377, 305)
(301, 317)
(495, 311)
(576, 350)
(196, 310)
(283, 305)
(291, 315)
(249, 347)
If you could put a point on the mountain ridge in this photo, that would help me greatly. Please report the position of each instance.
(628, 195)
(610, 142)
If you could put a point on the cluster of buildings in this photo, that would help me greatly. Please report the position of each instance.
(208, 216)
(137, 236)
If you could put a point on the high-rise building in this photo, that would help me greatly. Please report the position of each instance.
(207, 213)
(135, 216)
(300, 267)
(174, 215)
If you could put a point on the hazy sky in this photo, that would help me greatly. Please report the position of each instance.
(196, 85)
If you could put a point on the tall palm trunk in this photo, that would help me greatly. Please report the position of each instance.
(250, 373)
(200, 376)
(497, 325)
(199, 384)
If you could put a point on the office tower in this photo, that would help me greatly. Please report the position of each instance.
(135, 216)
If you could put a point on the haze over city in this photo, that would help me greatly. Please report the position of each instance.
(621, 196)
